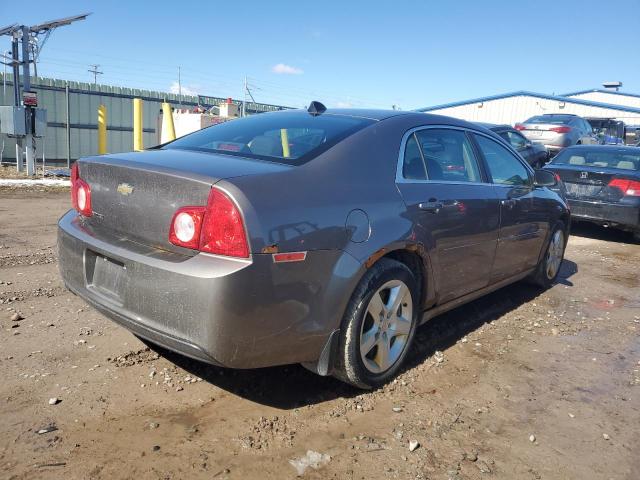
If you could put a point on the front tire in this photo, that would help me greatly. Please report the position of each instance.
(550, 263)
(378, 326)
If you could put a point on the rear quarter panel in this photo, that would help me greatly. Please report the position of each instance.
(306, 209)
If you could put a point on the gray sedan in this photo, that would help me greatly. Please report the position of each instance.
(558, 130)
(323, 237)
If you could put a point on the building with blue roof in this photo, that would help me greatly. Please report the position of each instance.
(514, 107)
(607, 96)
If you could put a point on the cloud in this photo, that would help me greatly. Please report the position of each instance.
(344, 105)
(284, 69)
(186, 89)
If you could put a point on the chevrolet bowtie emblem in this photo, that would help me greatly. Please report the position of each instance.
(125, 189)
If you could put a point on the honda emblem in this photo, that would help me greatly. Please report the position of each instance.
(584, 174)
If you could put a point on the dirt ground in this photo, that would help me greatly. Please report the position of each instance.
(518, 385)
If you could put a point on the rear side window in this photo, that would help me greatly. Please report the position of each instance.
(503, 166)
(516, 140)
(445, 154)
(293, 137)
(413, 167)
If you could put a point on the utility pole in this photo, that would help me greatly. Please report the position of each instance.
(95, 72)
(29, 141)
(247, 91)
(15, 64)
(244, 102)
(179, 87)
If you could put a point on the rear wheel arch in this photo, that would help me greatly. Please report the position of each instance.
(419, 263)
(415, 259)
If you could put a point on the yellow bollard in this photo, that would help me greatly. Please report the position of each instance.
(138, 144)
(284, 137)
(168, 129)
(102, 130)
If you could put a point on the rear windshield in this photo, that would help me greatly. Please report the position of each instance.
(553, 119)
(595, 157)
(293, 137)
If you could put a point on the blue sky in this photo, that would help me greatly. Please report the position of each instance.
(374, 54)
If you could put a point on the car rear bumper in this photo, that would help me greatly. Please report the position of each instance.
(626, 216)
(235, 313)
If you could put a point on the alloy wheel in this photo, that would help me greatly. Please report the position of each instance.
(554, 255)
(386, 326)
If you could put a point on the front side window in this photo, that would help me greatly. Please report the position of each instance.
(291, 137)
(504, 167)
(447, 156)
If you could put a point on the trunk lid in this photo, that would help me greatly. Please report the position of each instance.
(540, 131)
(135, 195)
(589, 183)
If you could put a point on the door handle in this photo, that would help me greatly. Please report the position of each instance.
(509, 203)
(431, 206)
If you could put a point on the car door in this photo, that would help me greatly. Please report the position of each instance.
(524, 221)
(455, 212)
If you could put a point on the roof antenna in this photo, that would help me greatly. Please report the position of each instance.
(316, 108)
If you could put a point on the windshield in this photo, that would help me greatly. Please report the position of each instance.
(553, 119)
(596, 157)
(292, 137)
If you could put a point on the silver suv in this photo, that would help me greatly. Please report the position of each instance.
(557, 131)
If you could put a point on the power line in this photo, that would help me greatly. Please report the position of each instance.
(153, 67)
(270, 91)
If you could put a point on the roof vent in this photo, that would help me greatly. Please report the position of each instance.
(316, 108)
(612, 85)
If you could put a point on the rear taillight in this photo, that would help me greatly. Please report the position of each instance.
(80, 193)
(519, 126)
(560, 129)
(217, 228)
(627, 187)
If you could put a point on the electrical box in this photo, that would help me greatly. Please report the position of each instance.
(39, 122)
(13, 120)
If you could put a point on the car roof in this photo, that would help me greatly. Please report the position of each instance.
(415, 118)
(495, 126)
(381, 114)
(370, 113)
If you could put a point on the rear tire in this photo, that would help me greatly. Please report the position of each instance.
(378, 325)
(549, 266)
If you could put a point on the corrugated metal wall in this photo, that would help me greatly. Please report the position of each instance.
(612, 98)
(511, 110)
(84, 99)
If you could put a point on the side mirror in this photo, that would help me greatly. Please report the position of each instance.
(545, 178)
